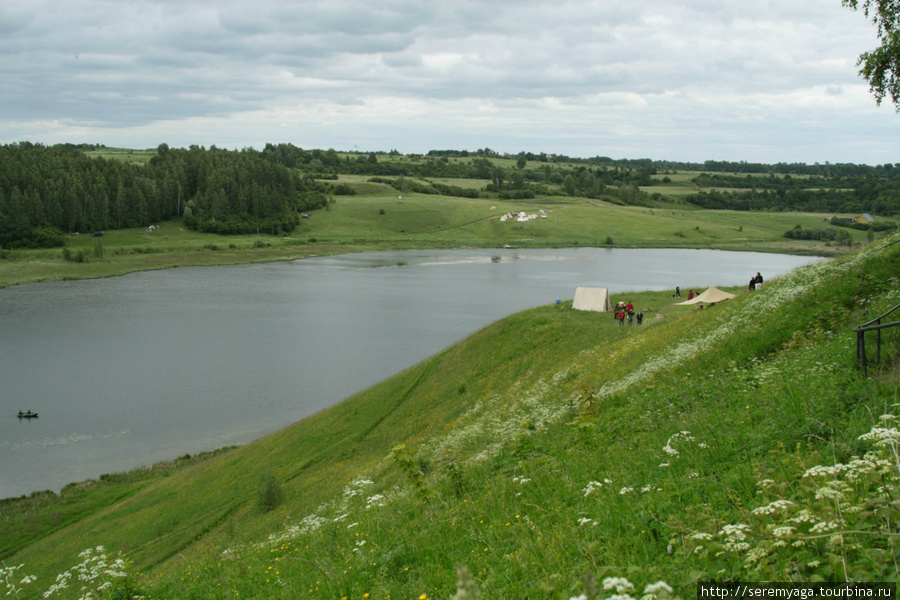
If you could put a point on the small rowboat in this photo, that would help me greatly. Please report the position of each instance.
(27, 415)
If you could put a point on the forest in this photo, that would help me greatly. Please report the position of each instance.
(48, 192)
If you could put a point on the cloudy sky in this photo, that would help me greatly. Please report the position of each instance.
(767, 80)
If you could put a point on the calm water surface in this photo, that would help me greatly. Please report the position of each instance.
(149, 366)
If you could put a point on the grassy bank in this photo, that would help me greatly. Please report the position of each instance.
(545, 453)
(379, 218)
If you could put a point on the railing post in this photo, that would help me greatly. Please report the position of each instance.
(878, 344)
(861, 352)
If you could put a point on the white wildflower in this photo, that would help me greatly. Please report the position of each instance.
(834, 490)
(755, 555)
(375, 501)
(656, 588)
(626, 490)
(591, 487)
(820, 471)
(882, 436)
(772, 507)
(802, 516)
(620, 584)
(824, 526)
(783, 531)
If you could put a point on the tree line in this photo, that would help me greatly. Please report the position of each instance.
(872, 194)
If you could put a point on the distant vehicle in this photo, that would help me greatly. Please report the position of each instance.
(97, 234)
(27, 415)
(305, 216)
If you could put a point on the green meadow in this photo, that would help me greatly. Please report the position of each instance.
(379, 217)
(553, 454)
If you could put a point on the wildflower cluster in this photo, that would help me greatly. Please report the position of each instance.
(8, 576)
(683, 435)
(619, 588)
(838, 524)
(97, 576)
(500, 419)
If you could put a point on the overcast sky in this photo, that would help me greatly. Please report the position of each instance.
(691, 80)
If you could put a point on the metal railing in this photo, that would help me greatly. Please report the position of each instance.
(874, 325)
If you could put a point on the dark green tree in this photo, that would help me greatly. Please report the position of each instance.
(881, 66)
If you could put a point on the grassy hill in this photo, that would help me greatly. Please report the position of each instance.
(546, 453)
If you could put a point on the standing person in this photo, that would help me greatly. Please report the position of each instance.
(752, 284)
(622, 317)
(758, 280)
(691, 295)
(640, 317)
(630, 308)
(630, 318)
(677, 292)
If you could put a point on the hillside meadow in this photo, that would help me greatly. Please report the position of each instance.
(554, 454)
(378, 217)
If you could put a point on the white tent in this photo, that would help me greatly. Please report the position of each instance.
(596, 299)
(710, 296)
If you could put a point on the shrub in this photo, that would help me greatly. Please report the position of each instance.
(270, 495)
(798, 233)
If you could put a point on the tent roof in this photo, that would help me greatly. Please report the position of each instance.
(596, 299)
(713, 294)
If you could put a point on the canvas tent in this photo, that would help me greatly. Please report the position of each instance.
(710, 296)
(596, 299)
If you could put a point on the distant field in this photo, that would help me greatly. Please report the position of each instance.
(135, 156)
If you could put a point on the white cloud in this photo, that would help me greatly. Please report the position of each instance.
(683, 80)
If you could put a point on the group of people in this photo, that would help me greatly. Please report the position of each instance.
(755, 282)
(626, 311)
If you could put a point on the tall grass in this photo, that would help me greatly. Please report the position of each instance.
(557, 455)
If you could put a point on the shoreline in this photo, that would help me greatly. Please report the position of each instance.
(56, 269)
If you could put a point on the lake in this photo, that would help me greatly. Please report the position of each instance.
(132, 370)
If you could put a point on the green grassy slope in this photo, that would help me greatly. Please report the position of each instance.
(551, 449)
